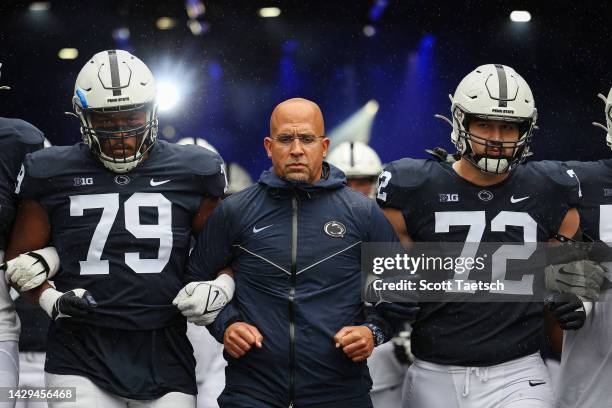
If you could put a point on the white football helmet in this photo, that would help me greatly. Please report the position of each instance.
(197, 141)
(493, 92)
(116, 81)
(237, 177)
(360, 164)
(356, 160)
(608, 113)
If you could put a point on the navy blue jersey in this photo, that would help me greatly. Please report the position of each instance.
(123, 237)
(596, 205)
(440, 206)
(34, 326)
(17, 138)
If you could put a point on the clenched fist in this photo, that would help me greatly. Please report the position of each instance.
(239, 337)
(357, 342)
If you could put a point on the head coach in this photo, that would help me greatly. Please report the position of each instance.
(296, 333)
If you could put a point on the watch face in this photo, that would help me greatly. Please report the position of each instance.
(379, 338)
(377, 334)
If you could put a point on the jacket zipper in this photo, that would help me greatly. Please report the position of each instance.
(294, 236)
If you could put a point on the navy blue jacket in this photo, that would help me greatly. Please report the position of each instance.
(295, 250)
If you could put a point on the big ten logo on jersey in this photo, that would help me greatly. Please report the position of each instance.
(449, 198)
(83, 181)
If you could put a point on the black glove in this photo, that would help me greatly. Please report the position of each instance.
(402, 348)
(74, 303)
(568, 310)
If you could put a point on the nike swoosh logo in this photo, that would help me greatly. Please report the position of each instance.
(158, 183)
(256, 230)
(215, 298)
(536, 383)
(517, 200)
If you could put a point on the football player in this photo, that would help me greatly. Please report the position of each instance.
(360, 164)
(32, 344)
(119, 209)
(17, 138)
(586, 361)
(483, 354)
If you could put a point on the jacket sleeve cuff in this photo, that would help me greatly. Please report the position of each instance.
(228, 315)
(387, 327)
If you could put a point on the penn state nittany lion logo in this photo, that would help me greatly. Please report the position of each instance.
(122, 180)
(485, 195)
(335, 229)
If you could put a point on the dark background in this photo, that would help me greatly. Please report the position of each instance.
(234, 74)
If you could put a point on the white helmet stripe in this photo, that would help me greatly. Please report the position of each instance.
(114, 70)
(503, 86)
(352, 155)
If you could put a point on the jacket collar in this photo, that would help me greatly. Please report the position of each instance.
(332, 178)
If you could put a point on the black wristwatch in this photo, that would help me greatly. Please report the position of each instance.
(377, 334)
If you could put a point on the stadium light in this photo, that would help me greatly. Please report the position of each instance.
(357, 127)
(267, 12)
(121, 34)
(165, 23)
(520, 16)
(68, 53)
(198, 27)
(369, 30)
(167, 96)
(39, 6)
(195, 8)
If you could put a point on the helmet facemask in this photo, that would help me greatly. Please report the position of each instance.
(496, 157)
(103, 140)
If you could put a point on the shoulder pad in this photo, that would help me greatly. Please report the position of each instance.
(58, 160)
(197, 159)
(25, 132)
(556, 171)
(409, 173)
(401, 177)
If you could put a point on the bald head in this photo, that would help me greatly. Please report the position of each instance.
(297, 142)
(295, 112)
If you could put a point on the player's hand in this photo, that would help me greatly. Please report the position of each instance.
(582, 278)
(357, 342)
(74, 303)
(569, 310)
(201, 302)
(239, 337)
(31, 269)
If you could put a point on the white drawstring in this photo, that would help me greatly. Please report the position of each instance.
(468, 372)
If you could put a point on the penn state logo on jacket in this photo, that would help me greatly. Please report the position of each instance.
(335, 229)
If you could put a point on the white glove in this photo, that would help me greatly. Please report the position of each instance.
(582, 278)
(74, 303)
(201, 302)
(31, 269)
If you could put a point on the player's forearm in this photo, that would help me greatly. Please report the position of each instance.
(227, 271)
(33, 295)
